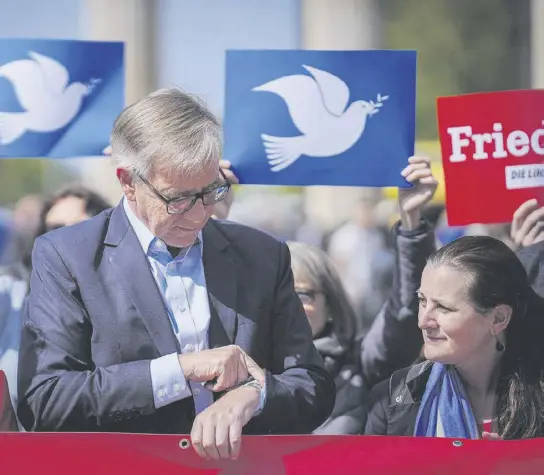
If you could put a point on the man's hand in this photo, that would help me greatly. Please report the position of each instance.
(226, 366)
(411, 200)
(528, 224)
(217, 431)
(225, 166)
(221, 209)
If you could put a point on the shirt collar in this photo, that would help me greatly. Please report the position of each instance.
(144, 235)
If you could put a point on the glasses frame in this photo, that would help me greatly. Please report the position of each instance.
(194, 198)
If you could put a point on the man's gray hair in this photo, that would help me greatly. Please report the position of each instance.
(168, 129)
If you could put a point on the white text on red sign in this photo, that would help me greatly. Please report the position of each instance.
(517, 143)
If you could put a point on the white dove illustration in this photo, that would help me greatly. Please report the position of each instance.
(317, 106)
(41, 86)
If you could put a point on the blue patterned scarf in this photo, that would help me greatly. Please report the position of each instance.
(445, 410)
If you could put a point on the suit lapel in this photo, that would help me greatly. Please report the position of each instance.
(221, 283)
(132, 268)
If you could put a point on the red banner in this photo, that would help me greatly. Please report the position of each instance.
(135, 454)
(492, 152)
(94, 454)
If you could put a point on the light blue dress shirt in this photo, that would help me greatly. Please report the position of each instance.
(182, 284)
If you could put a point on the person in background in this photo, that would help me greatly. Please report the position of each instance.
(483, 375)
(334, 329)
(359, 251)
(70, 205)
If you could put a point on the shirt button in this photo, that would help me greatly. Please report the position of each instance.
(162, 393)
(196, 391)
(177, 387)
(190, 348)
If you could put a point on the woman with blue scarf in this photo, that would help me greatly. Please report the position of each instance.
(483, 328)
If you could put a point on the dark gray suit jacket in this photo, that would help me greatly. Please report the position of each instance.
(95, 319)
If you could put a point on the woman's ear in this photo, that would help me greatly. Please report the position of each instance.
(501, 318)
(125, 179)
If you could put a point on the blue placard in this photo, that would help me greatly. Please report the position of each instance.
(58, 98)
(340, 118)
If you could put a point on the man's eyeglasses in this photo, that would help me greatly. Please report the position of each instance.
(183, 204)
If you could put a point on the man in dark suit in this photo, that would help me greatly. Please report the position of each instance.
(152, 318)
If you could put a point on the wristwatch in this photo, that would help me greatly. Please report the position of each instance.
(253, 384)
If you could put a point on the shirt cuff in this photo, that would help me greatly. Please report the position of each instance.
(168, 381)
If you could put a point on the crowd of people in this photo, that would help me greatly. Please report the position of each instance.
(158, 315)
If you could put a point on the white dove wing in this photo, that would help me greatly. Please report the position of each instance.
(303, 99)
(27, 81)
(54, 74)
(335, 92)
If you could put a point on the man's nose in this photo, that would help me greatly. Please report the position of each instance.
(197, 213)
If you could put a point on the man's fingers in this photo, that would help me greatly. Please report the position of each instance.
(241, 371)
(235, 439)
(222, 440)
(225, 166)
(196, 438)
(222, 382)
(255, 370)
(208, 439)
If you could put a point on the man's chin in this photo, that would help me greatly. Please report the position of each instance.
(183, 238)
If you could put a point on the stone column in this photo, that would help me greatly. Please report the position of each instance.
(130, 21)
(338, 25)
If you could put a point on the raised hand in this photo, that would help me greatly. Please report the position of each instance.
(412, 200)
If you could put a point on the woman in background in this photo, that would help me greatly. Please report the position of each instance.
(333, 323)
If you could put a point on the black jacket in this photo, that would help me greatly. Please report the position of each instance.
(351, 394)
(394, 341)
(394, 403)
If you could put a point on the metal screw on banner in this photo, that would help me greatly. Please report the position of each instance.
(457, 443)
(184, 444)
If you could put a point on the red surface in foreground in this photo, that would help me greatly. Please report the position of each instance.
(134, 454)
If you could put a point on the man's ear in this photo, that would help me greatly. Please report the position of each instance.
(501, 318)
(125, 179)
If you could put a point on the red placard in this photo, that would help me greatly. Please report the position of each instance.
(492, 152)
